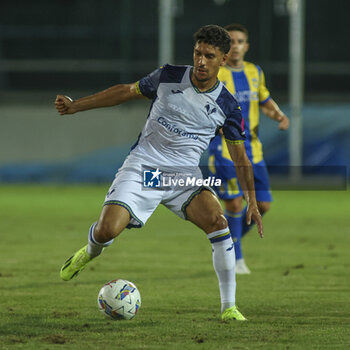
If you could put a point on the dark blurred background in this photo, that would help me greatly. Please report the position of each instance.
(79, 47)
(88, 44)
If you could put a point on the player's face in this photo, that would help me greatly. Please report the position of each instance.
(239, 47)
(207, 60)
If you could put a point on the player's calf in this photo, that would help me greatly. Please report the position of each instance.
(224, 266)
(113, 220)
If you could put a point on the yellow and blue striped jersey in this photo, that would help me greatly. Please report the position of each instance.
(248, 86)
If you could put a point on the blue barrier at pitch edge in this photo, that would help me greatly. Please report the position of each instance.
(326, 143)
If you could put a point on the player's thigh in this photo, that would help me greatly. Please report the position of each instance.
(126, 204)
(205, 211)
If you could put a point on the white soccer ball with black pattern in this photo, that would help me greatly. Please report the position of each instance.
(119, 299)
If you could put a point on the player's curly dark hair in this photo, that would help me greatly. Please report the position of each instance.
(237, 27)
(214, 35)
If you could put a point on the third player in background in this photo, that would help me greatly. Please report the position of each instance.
(246, 82)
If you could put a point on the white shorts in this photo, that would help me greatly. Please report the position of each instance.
(128, 191)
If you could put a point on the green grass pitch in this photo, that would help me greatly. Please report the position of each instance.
(297, 297)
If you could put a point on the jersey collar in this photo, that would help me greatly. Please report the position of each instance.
(206, 91)
(241, 69)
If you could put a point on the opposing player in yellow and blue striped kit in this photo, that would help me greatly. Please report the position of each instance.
(246, 82)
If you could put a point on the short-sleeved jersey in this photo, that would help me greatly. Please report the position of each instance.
(182, 120)
(248, 86)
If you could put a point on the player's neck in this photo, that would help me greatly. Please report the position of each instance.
(203, 86)
(236, 65)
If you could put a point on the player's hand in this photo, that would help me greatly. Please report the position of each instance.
(283, 122)
(64, 105)
(253, 213)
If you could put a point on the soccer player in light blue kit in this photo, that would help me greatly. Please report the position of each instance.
(189, 105)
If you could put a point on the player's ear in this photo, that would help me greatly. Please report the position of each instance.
(246, 46)
(224, 59)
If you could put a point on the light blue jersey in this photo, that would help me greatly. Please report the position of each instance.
(182, 120)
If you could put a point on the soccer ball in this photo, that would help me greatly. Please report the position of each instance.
(119, 299)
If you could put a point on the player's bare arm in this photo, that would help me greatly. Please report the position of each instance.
(271, 109)
(245, 177)
(112, 96)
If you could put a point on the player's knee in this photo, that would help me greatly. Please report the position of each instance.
(263, 207)
(234, 205)
(218, 222)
